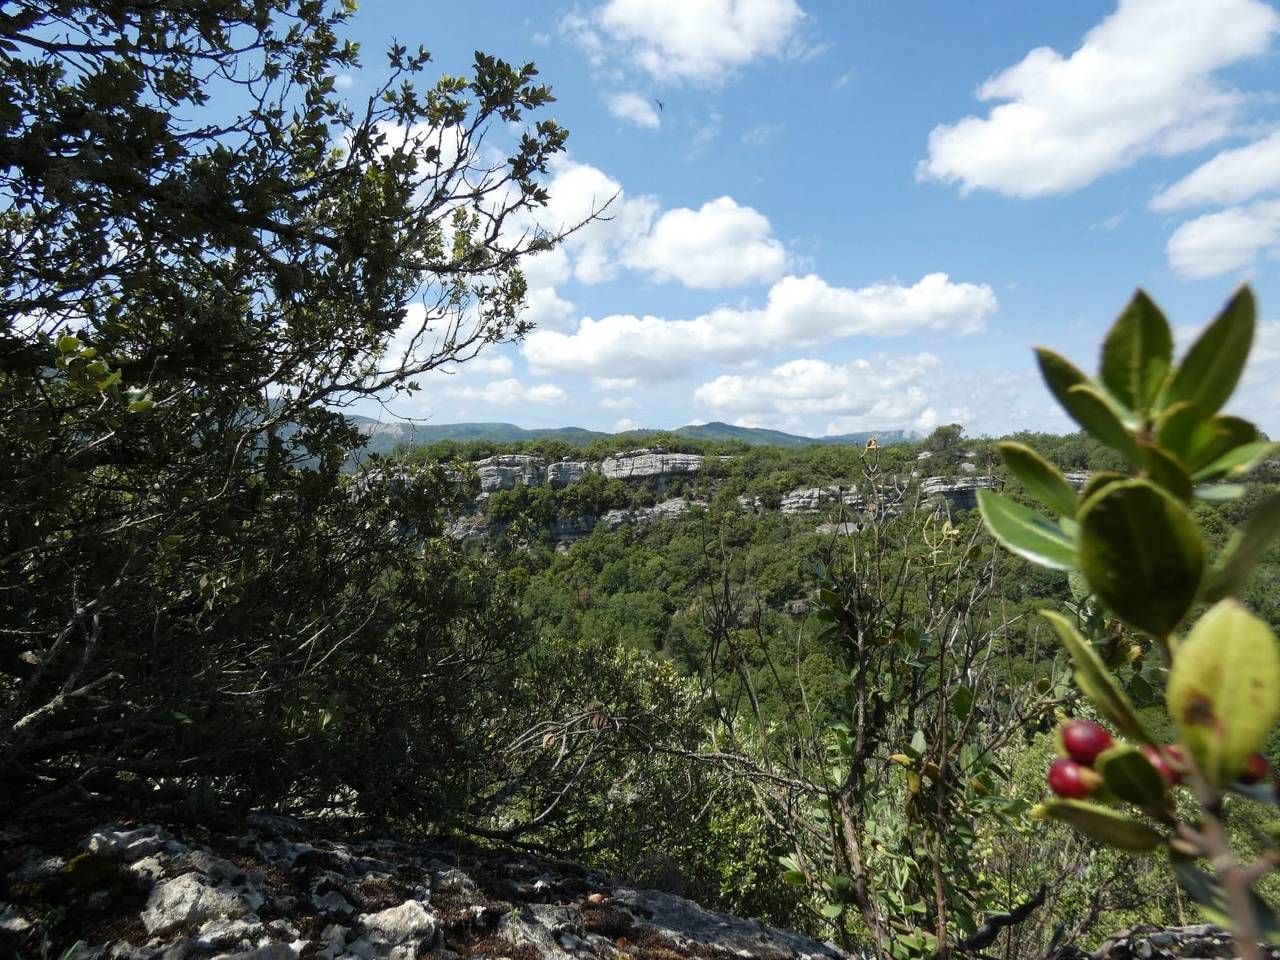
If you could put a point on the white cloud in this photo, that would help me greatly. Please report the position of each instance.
(626, 424)
(619, 403)
(1230, 177)
(719, 245)
(635, 109)
(512, 393)
(1225, 241)
(491, 363)
(799, 311)
(700, 42)
(1142, 82)
(863, 394)
(705, 135)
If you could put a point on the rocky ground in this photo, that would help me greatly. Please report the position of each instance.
(277, 891)
(272, 889)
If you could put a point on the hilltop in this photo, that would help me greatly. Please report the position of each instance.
(385, 436)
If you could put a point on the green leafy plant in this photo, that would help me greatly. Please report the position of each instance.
(1142, 567)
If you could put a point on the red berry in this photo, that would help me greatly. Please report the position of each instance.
(1072, 780)
(1084, 740)
(1157, 759)
(1255, 770)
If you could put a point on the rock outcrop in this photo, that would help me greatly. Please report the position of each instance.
(650, 464)
(961, 493)
(506, 471)
(274, 890)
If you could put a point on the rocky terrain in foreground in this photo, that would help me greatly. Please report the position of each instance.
(274, 889)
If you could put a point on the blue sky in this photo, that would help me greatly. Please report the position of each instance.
(858, 215)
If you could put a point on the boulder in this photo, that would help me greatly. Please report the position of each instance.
(189, 901)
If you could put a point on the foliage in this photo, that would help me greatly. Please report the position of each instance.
(195, 597)
(1143, 555)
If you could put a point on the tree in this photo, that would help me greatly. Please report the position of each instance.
(191, 587)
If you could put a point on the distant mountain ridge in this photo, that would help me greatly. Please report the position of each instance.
(385, 436)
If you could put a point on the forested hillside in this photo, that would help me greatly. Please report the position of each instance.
(918, 697)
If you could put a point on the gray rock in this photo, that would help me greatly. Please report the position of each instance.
(968, 468)
(270, 951)
(686, 924)
(507, 471)
(961, 493)
(10, 922)
(650, 463)
(223, 933)
(128, 845)
(187, 901)
(566, 472)
(398, 924)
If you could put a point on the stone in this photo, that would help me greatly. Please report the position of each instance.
(507, 471)
(223, 933)
(653, 463)
(10, 922)
(398, 924)
(565, 472)
(114, 843)
(187, 901)
(960, 493)
(271, 951)
(968, 468)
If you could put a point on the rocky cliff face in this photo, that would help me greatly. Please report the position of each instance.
(272, 889)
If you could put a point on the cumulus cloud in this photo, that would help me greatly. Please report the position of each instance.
(632, 108)
(1230, 177)
(512, 393)
(1142, 82)
(1225, 241)
(699, 42)
(799, 311)
(719, 245)
(863, 394)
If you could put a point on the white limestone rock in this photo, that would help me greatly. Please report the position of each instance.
(397, 924)
(188, 901)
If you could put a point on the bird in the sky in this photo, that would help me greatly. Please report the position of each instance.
(661, 105)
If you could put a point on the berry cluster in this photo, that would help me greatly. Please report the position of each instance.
(1073, 777)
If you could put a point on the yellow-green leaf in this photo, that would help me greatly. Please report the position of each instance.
(1107, 826)
(1224, 689)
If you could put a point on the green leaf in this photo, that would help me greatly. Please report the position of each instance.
(1166, 471)
(1042, 480)
(1099, 480)
(1137, 355)
(1130, 775)
(1025, 532)
(1212, 367)
(794, 877)
(1106, 826)
(1239, 462)
(141, 406)
(961, 702)
(1176, 426)
(831, 910)
(1224, 689)
(1247, 547)
(1080, 397)
(1094, 412)
(68, 343)
(1141, 551)
(1095, 680)
(1217, 437)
